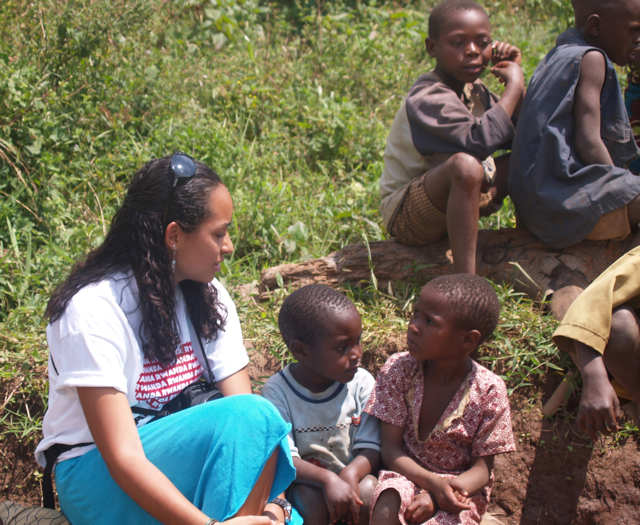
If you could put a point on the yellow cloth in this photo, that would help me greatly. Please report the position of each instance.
(588, 320)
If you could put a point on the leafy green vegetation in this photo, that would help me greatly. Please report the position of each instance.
(289, 101)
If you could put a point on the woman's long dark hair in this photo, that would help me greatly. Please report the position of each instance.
(135, 241)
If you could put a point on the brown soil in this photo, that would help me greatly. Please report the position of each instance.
(557, 477)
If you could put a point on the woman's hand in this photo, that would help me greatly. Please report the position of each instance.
(503, 51)
(422, 508)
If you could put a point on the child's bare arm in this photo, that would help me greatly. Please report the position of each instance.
(338, 494)
(586, 111)
(394, 458)
(367, 461)
(599, 402)
(474, 479)
(510, 74)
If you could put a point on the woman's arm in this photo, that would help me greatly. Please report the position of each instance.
(109, 419)
(238, 383)
(394, 458)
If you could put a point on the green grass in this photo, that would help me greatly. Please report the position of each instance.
(290, 101)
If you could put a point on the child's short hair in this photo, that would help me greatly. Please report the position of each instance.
(305, 313)
(445, 9)
(473, 300)
(585, 8)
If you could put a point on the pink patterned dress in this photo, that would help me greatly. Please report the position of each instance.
(476, 423)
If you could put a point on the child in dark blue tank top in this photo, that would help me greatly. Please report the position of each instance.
(569, 177)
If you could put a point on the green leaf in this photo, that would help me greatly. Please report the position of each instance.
(151, 72)
(298, 231)
(14, 240)
(36, 147)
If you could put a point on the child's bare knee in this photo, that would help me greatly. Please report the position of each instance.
(624, 339)
(624, 328)
(466, 169)
(367, 486)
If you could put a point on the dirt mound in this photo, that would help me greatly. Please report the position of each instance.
(557, 476)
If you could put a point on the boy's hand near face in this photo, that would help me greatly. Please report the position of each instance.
(510, 74)
(503, 51)
(507, 59)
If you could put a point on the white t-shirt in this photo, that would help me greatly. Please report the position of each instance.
(326, 426)
(96, 343)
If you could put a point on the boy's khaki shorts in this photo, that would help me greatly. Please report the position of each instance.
(611, 226)
(418, 222)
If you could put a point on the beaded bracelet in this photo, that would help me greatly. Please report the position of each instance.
(212, 521)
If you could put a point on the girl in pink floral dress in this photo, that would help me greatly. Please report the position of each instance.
(444, 417)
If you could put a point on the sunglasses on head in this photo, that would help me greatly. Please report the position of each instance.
(182, 167)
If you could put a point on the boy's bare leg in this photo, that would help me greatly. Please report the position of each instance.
(454, 188)
(598, 410)
(259, 495)
(622, 354)
(387, 508)
(310, 503)
(367, 486)
(562, 299)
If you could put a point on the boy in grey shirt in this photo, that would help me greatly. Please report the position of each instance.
(335, 445)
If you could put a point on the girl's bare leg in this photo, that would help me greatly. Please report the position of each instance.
(387, 508)
(258, 498)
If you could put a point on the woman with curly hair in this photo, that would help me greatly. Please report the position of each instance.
(140, 319)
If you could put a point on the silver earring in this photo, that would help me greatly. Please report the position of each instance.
(173, 261)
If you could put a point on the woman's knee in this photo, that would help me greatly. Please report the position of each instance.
(466, 170)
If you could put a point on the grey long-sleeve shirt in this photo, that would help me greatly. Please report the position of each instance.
(433, 124)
